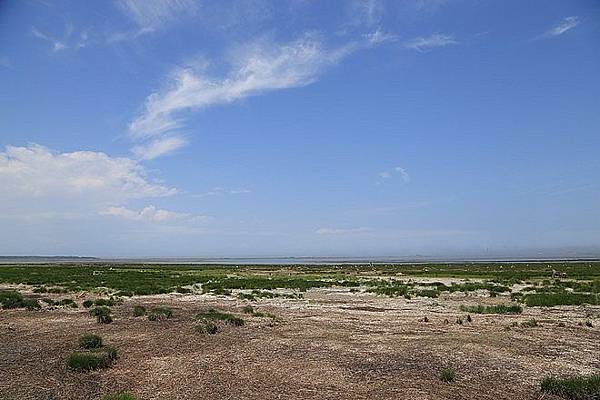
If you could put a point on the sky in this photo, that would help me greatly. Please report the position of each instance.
(299, 128)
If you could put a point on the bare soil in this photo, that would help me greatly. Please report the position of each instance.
(332, 344)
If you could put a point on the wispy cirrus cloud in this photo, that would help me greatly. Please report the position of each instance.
(394, 172)
(69, 40)
(565, 25)
(220, 191)
(151, 214)
(424, 43)
(159, 147)
(366, 12)
(155, 14)
(342, 231)
(258, 67)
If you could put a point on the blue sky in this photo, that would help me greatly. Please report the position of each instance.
(324, 128)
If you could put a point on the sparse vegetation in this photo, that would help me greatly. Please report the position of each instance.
(102, 314)
(139, 311)
(497, 309)
(160, 314)
(120, 396)
(574, 387)
(531, 323)
(206, 327)
(215, 315)
(447, 375)
(14, 299)
(155, 279)
(563, 298)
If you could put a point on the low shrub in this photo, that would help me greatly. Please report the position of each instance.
(14, 299)
(497, 309)
(67, 303)
(206, 327)
(120, 396)
(31, 304)
(106, 302)
(88, 361)
(562, 298)
(573, 387)
(447, 375)
(90, 341)
(139, 311)
(88, 303)
(10, 299)
(215, 315)
(160, 313)
(102, 314)
(110, 352)
(532, 323)
(432, 293)
(248, 310)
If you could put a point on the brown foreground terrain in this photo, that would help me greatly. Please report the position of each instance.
(333, 344)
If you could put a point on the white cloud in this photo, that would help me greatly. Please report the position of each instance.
(425, 43)
(68, 41)
(159, 147)
(379, 36)
(220, 191)
(149, 214)
(565, 25)
(156, 14)
(253, 69)
(341, 231)
(366, 12)
(35, 172)
(396, 171)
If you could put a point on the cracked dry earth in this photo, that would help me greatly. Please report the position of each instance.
(331, 345)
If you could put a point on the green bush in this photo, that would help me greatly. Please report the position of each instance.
(160, 313)
(120, 396)
(447, 375)
(88, 361)
(88, 303)
(139, 311)
(563, 298)
(573, 387)
(110, 352)
(215, 315)
(106, 302)
(102, 314)
(10, 299)
(31, 304)
(206, 327)
(14, 299)
(90, 341)
(248, 310)
(67, 302)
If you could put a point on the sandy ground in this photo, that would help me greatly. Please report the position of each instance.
(331, 345)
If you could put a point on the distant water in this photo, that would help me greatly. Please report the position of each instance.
(292, 260)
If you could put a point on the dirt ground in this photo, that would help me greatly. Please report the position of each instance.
(332, 344)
